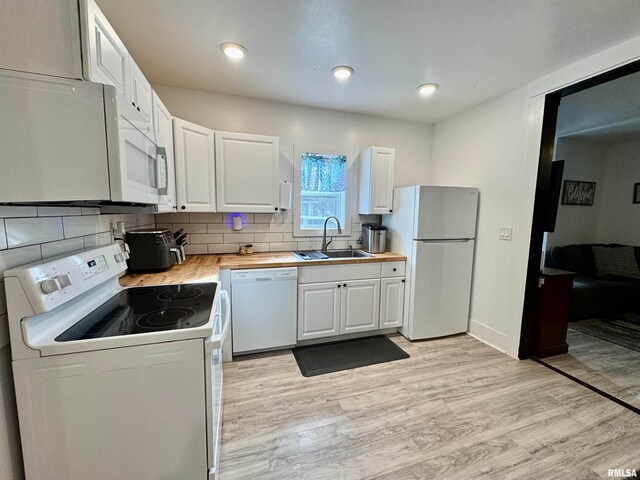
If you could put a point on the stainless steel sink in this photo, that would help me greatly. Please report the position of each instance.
(330, 254)
(346, 254)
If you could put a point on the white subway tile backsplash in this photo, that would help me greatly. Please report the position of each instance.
(266, 231)
(53, 249)
(223, 248)
(314, 245)
(19, 256)
(30, 231)
(268, 237)
(238, 238)
(59, 211)
(80, 226)
(218, 228)
(255, 227)
(260, 247)
(172, 218)
(13, 211)
(282, 246)
(98, 240)
(263, 217)
(195, 249)
(205, 238)
(189, 227)
(284, 227)
(246, 217)
(3, 235)
(205, 218)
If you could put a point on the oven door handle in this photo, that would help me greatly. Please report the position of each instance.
(226, 312)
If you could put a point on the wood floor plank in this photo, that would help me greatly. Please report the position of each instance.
(455, 409)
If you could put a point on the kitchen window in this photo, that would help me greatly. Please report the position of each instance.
(321, 189)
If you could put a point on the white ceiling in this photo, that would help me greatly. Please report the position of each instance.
(607, 113)
(475, 49)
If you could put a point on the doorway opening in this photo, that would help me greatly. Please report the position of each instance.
(582, 302)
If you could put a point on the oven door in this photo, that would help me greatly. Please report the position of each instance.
(213, 375)
(137, 167)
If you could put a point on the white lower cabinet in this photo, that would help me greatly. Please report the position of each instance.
(318, 310)
(360, 301)
(391, 302)
(335, 308)
(343, 299)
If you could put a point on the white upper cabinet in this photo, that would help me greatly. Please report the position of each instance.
(376, 180)
(163, 125)
(141, 94)
(106, 58)
(247, 172)
(195, 171)
(41, 37)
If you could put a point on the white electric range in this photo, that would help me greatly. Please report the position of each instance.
(113, 382)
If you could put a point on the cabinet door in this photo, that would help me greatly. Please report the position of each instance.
(42, 37)
(391, 302)
(318, 310)
(360, 305)
(108, 60)
(140, 92)
(195, 175)
(247, 172)
(382, 165)
(376, 180)
(163, 125)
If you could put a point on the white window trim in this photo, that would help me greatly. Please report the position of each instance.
(298, 150)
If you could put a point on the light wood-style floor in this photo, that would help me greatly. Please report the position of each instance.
(611, 368)
(456, 409)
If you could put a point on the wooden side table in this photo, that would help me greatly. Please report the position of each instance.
(554, 312)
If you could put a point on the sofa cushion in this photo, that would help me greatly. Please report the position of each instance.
(617, 261)
(574, 258)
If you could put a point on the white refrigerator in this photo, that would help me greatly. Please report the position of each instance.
(435, 228)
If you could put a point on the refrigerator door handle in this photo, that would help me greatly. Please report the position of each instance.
(447, 240)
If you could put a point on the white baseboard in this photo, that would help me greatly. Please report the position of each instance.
(488, 335)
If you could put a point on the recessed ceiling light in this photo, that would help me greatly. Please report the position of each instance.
(233, 50)
(427, 89)
(342, 72)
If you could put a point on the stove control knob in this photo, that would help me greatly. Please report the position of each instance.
(64, 280)
(120, 257)
(50, 285)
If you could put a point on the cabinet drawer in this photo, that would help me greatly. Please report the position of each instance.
(338, 273)
(393, 269)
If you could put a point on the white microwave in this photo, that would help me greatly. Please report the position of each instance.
(67, 140)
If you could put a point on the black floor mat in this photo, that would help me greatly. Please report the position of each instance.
(333, 357)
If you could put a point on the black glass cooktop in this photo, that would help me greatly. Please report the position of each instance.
(146, 309)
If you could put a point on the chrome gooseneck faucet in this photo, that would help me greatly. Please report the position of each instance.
(325, 244)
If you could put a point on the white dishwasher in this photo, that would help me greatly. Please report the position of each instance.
(263, 309)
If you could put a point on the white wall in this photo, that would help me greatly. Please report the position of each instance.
(583, 160)
(484, 147)
(497, 146)
(613, 218)
(297, 124)
(619, 217)
(28, 234)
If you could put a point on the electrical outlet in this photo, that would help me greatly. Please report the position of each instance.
(505, 233)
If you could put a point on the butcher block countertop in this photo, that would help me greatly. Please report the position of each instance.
(205, 268)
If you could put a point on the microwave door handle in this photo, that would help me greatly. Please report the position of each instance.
(163, 166)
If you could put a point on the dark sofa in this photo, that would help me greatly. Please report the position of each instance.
(594, 296)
